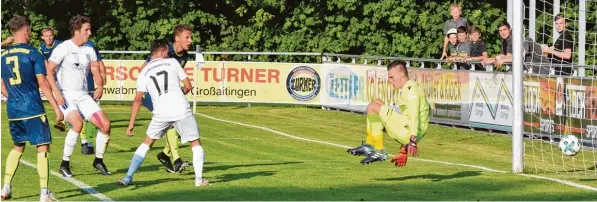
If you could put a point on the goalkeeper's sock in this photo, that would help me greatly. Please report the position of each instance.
(12, 163)
(102, 141)
(87, 132)
(198, 157)
(369, 139)
(83, 134)
(43, 168)
(69, 144)
(171, 148)
(138, 159)
(376, 130)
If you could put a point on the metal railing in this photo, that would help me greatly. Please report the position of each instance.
(378, 60)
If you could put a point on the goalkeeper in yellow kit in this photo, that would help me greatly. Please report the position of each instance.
(407, 127)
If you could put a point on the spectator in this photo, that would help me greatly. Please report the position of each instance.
(463, 49)
(452, 45)
(534, 60)
(506, 50)
(478, 49)
(455, 22)
(561, 51)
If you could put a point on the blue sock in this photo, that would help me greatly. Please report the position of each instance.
(138, 159)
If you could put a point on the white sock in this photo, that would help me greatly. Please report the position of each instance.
(84, 140)
(138, 159)
(69, 144)
(101, 142)
(198, 157)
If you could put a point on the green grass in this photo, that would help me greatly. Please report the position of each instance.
(252, 164)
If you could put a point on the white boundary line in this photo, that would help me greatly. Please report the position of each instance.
(581, 186)
(77, 183)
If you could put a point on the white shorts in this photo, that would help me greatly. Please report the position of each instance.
(187, 128)
(79, 102)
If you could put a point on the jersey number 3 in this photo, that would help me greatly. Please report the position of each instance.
(157, 85)
(15, 69)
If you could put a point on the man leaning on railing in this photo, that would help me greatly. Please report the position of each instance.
(534, 60)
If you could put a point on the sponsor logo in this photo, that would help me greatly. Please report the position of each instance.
(342, 84)
(303, 83)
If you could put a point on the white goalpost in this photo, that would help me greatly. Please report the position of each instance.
(549, 107)
(517, 87)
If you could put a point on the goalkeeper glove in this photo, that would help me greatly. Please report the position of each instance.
(411, 147)
(400, 158)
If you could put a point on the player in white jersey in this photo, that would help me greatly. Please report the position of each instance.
(161, 79)
(73, 61)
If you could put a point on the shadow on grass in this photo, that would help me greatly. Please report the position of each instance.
(435, 177)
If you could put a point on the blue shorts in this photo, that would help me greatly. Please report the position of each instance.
(35, 130)
(146, 101)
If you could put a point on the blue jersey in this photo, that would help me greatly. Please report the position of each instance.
(47, 51)
(182, 58)
(21, 63)
(90, 82)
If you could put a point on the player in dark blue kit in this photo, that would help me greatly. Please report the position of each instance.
(47, 35)
(179, 51)
(23, 74)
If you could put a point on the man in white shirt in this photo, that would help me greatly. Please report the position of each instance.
(161, 79)
(73, 61)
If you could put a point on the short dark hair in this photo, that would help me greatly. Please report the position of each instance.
(158, 44)
(475, 29)
(461, 29)
(17, 22)
(560, 16)
(76, 23)
(400, 64)
(181, 28)
(504, 23)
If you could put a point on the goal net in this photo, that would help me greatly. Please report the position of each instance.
(561, 100)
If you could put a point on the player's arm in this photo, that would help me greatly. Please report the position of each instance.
(45, 88)
(40, 72)
(8, 41)
(184, 78)
(102, 68)
(141, 89)
(51, 68)
(134, 111)
(413, 106)
(4, 91)
(58, 54)
(97, 78)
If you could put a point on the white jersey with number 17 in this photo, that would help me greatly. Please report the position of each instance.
(161, 79)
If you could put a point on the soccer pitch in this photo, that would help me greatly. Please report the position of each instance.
(297, 154)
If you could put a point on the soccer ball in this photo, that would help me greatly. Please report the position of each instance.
(569, 145)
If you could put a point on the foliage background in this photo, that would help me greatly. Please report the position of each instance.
(406, 28)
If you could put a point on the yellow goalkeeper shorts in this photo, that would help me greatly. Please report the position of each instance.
(395, 123)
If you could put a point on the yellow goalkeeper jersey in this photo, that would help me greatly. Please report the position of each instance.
(413, 104)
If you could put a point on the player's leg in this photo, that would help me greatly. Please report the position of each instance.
(74, 119)
(155, 130)
(19, 137)
(95, 115)
(376, 116)
(39, 133)
(164, 156)
(171, 150)
(189, 131)
(86, 134)
(368, 146)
